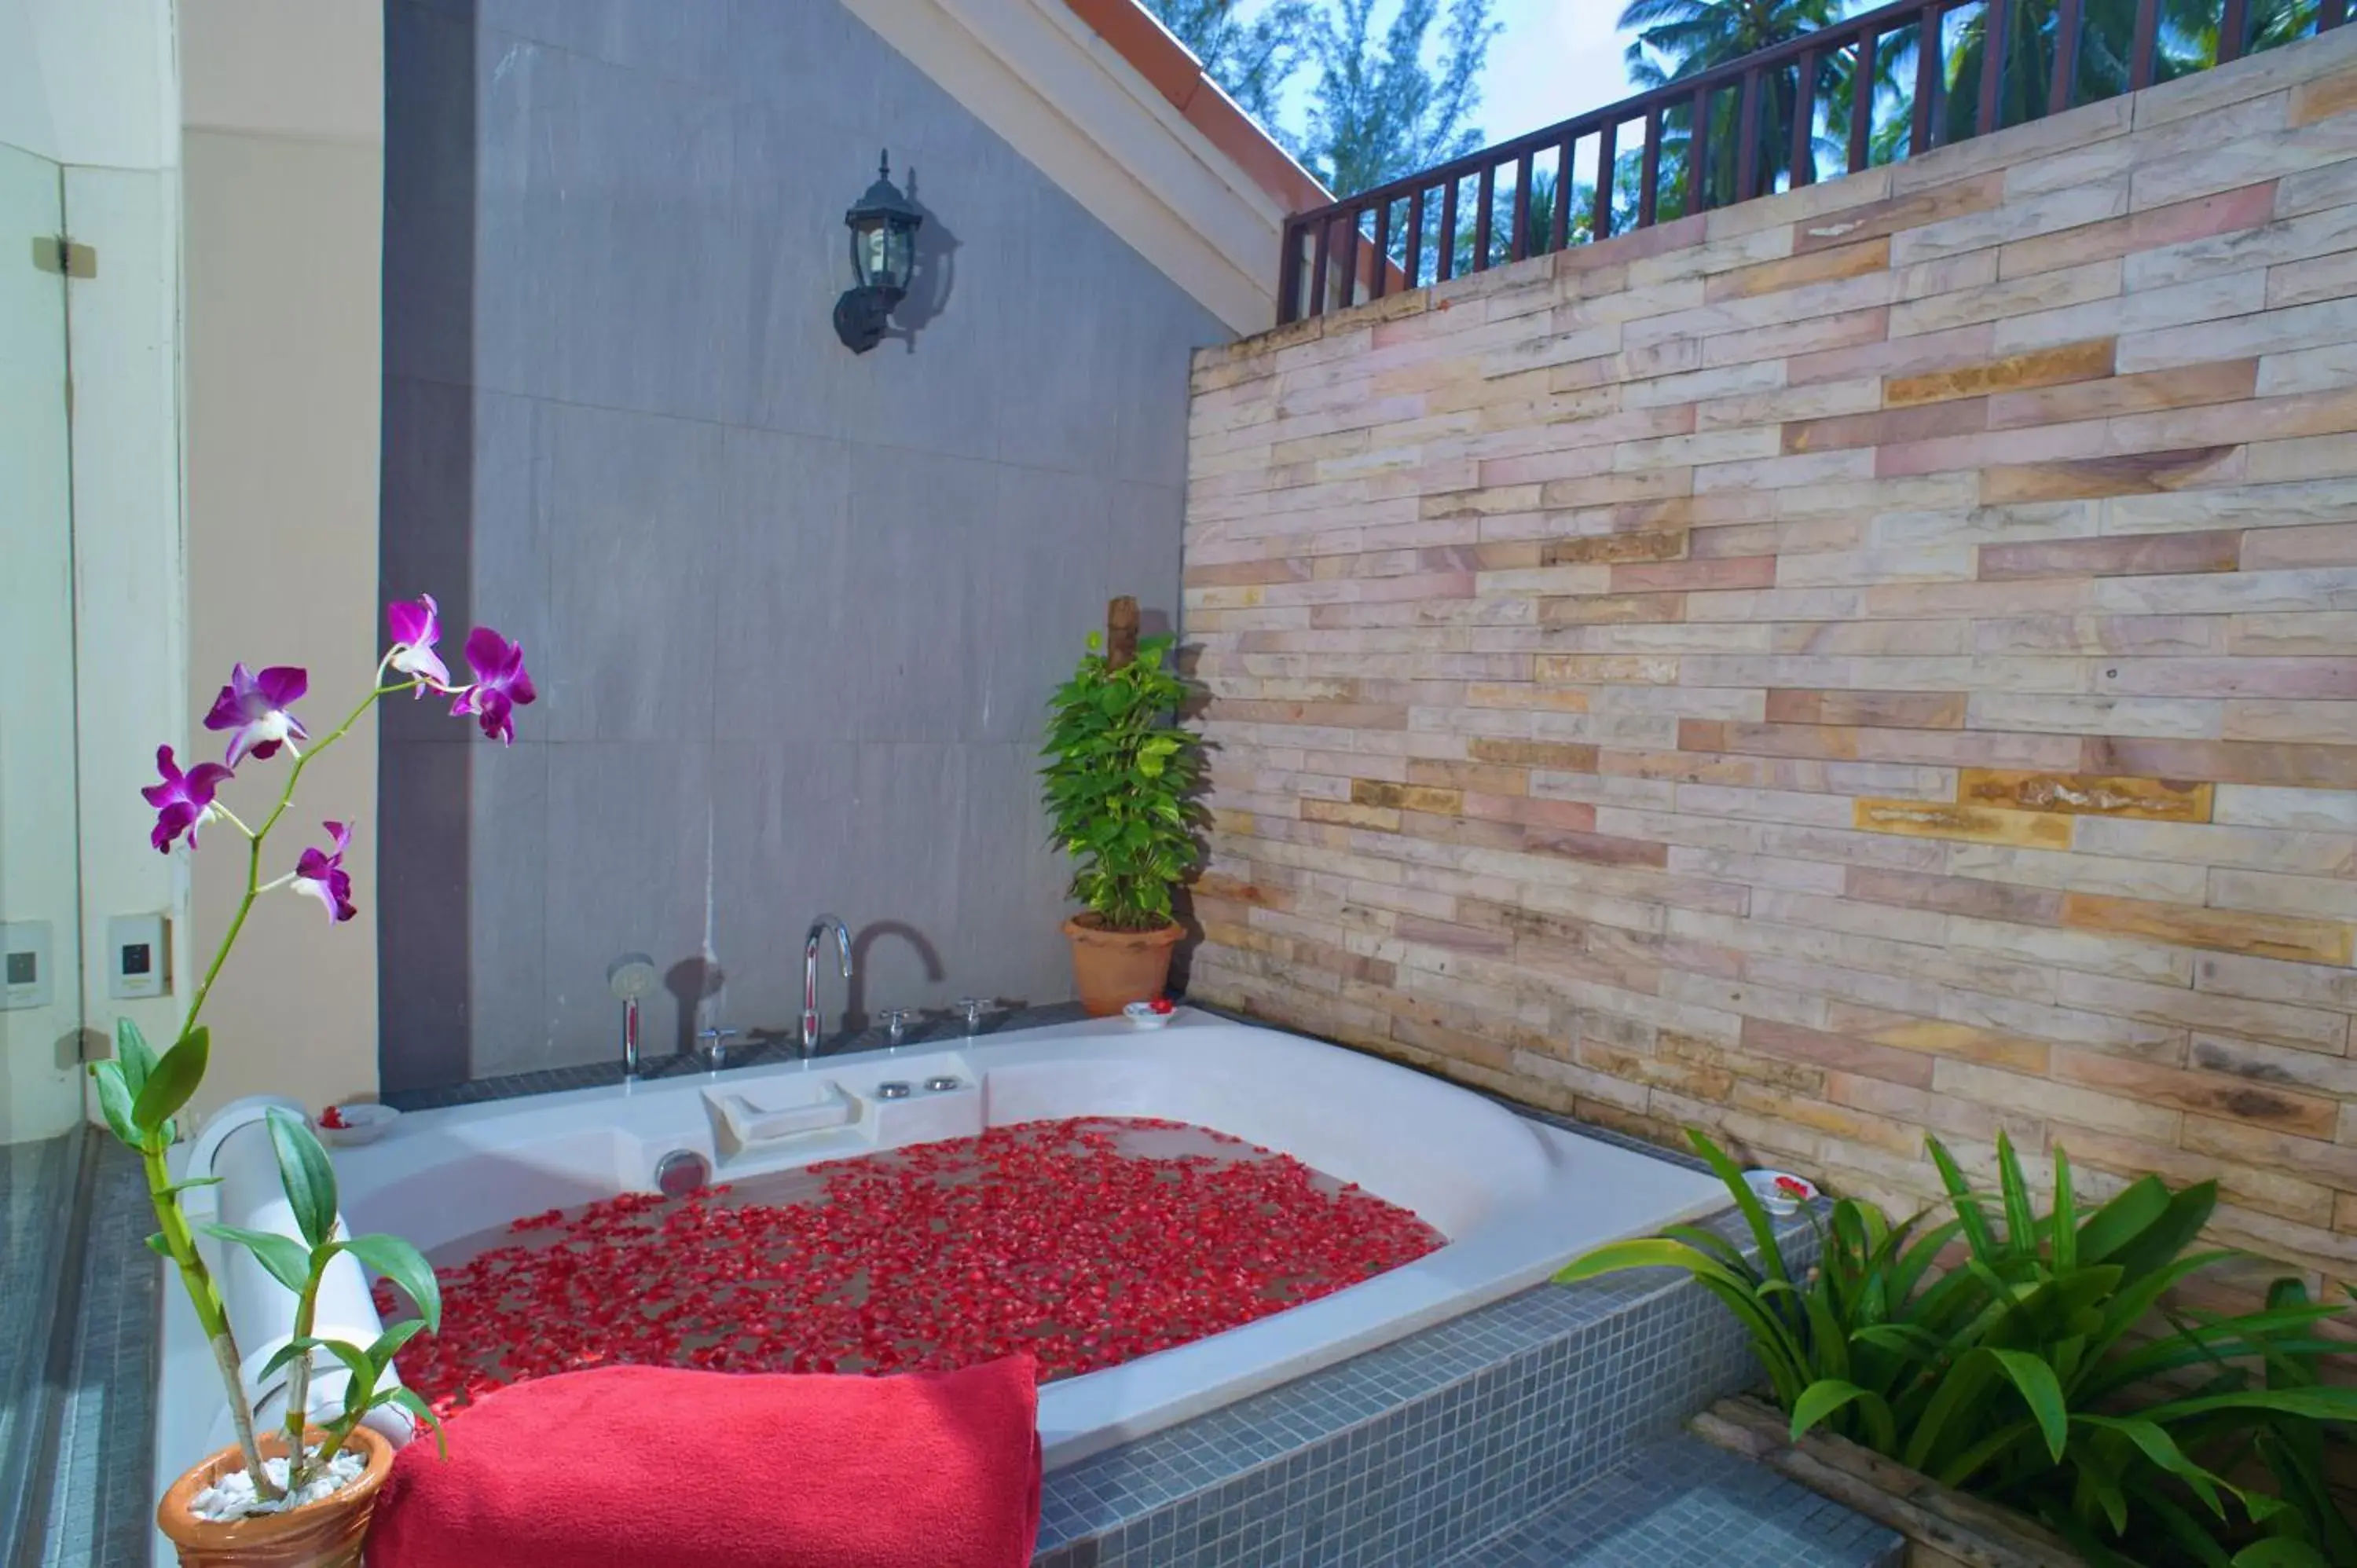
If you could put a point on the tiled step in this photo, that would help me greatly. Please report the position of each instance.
(1677, 1502)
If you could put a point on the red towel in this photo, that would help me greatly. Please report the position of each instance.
(651, 1466)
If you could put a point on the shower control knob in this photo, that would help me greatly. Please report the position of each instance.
(942, 1083)
(892, 1089)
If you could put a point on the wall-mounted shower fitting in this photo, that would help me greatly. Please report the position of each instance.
(631, 978)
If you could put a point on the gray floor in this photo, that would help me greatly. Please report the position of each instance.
(102, 1502)
(1678, 1502)
(36, 1186)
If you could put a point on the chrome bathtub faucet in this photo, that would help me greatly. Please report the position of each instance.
(817, 933)
(717, 1046)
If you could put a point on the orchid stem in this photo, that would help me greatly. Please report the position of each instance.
(254, 837)
(179, 1241)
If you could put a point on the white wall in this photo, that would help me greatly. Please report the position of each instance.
(283, 188)
(89, 84)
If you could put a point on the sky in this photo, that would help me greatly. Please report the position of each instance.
(1555, 58)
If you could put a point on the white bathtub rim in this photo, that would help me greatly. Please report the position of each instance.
(1525, 1241)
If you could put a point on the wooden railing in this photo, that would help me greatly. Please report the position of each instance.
(1782, 117)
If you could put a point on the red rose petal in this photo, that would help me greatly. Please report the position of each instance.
(1087, 1242)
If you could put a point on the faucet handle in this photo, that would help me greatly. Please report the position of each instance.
(896, 1020)
(974, 1007)
(718, 1039)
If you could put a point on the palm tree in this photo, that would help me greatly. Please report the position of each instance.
(2187, 42)
(1679, 39)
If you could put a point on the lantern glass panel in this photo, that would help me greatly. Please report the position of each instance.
(895, 255)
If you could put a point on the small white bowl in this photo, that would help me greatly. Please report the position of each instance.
(1142, 1015)
(1776, 1200)
(365, 1122)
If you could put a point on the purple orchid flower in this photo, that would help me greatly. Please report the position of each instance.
(417, 627)
(183, 801)
(502, 684)
(255, 708)
(320, 875)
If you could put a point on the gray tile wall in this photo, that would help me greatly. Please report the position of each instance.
(792, 612)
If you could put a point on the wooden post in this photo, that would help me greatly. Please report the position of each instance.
(1121, 632)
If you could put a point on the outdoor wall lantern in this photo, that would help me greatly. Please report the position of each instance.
(883, 255)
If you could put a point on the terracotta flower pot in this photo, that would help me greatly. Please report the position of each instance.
(325, 1534)
(1113, 969)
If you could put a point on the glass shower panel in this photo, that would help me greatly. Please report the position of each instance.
(41, 905)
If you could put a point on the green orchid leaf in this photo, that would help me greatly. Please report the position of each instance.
(307, 1175)
(388, 1344)
(283, 1256)
(136, 1055)
(114, 1103)
(172, 1080)
(406, 1267)
(422, 1413)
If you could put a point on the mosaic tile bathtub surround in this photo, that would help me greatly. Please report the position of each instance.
(1677, 1502)
(1409, 1454)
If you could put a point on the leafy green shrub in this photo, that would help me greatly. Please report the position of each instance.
(1118, 784)
(2017, 1374)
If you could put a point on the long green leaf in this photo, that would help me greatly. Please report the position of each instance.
(388, 1344)
(283, 1256)
(2063, 1227)
(1713, 1245)
(1778, 1351)
(1971, 1461)
(138, 1059)
(2188, 1532)
(2020, 1222)
(406, 1267)
(1763, 1232)
(1821, 1398)
(2162, 1450)
(2157, 1244)
(1961, 1386)
(2043, 1392)
(2320, 1403)
(115, 1103)
(1919, 1255)
(2130, 1212)
(307, 1175)
(422, 1413)
(365, 1372)
(1969, 1212)
(173, 1080)
(2279, 1552)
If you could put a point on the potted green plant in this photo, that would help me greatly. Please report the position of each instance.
(1118, 785)
(300, 1498)
(2026, 1372)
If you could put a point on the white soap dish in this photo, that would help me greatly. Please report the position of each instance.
(826, 1106)
(1781, 1193)
(363, 1122)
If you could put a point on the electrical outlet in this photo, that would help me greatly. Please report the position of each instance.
(26, 970)
(138, 957)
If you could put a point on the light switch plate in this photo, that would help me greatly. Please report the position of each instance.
(138, 957)
(27, 971)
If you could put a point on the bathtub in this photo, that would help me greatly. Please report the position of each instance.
(1514, 1198)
